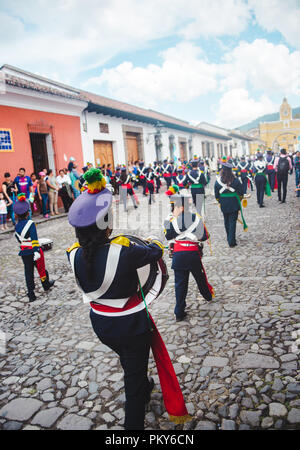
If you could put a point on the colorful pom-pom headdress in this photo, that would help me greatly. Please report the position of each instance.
(172, 190)
(93, 204)
(178, 197)
(21, 206)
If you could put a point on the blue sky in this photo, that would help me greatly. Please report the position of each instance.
(219, 61)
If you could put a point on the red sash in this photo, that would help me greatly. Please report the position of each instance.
(270, 167)
(185, 246)
(171, 391)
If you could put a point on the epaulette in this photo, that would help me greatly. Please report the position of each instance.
(76, 245)
(160, 245)
(121, 240)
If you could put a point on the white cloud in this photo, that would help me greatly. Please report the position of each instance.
(263, 66)
(237, 108)
(183, 76)
(73, 35)
(283, 16)
(215, 18)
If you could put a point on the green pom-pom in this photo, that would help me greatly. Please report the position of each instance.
(93, 175)
(176, 188)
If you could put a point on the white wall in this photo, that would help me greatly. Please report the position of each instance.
(115, 136)
(28, 99)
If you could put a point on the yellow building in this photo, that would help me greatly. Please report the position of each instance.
(256, 143)
(283, 133)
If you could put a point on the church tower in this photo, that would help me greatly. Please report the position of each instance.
(285, 110)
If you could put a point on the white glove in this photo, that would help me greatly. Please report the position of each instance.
(152, 238)
(36, 256)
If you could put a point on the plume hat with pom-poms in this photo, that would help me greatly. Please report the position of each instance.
(21, 206)
(93, 204)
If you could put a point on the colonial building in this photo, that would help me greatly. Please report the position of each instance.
(236, 144)
(39, 123)
(283, 133)
(118, 133)
(256, 143)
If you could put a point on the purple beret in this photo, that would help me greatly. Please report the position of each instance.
(89, 209)
(21, 207)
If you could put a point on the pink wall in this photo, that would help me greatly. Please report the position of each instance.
(65, 132)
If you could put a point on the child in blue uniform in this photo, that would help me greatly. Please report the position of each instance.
(186, 229)
(106, 273)
(30, 250)
(229, 192)
(197, 183)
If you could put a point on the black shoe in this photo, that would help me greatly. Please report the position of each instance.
(262, 206)
(31, 296)
(151, 386)
(283, 201)
(135, 206)
(47, 284)
(179, 319)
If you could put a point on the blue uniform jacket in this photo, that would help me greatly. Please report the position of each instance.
(230, 204)
(202, 180)
(30, 234)
(125, 284)
(185, 260)
(245, 166)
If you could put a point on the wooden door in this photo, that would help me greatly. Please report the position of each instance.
(39, 152)
(103, 152)
(132, 148)
(182, 149)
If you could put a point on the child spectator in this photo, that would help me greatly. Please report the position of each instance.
(3, 211)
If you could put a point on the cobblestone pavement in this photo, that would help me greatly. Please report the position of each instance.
(236, 358)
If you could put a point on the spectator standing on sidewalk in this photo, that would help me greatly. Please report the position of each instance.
(34, 180)
(43, 193)
(53, 188)
(10, 190)
(24, 185)
(65, 189)
(282, 166)
(3, 211)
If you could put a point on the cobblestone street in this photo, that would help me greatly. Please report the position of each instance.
(236, 358)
